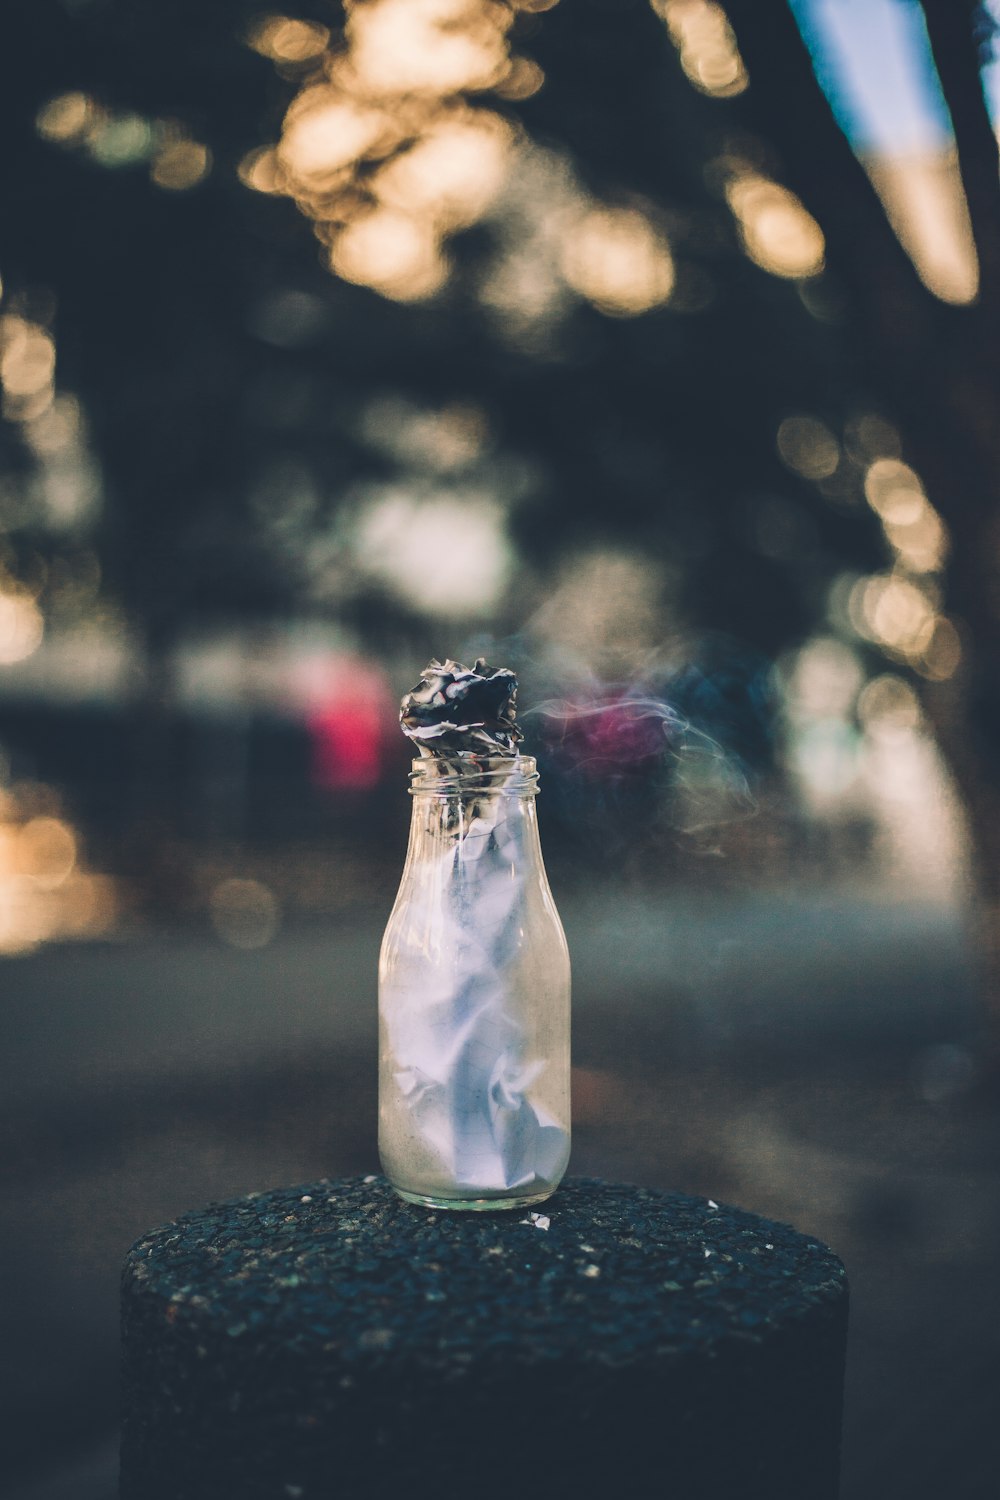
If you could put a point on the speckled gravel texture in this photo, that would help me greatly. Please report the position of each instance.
(331, 1341)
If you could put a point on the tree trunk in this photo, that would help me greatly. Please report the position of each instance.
(934, 368)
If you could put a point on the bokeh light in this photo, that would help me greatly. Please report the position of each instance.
(701, 32)
(387, 147)
(452, 174)
(324, 134)
(433, 48)
(898, 611)
(868, 436)
(180, 165)
(261, 171)
(21, 626)
(523, 79)
(46, 851)
(444, 553)
(66, 118)
(245, 913)
(289, 41)
(118, 139)
(45, 895)
(888, 704)
(27, 366)
(894, 490)
(920, 542)
(392, 253)
(121, 140)
(441, 440)
(605, 612)
(808, 447)
(618, 262)
(777, 231)
(902, 615)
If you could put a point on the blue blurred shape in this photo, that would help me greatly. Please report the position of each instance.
(874, 63)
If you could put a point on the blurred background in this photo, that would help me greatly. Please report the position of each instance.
(652, 350)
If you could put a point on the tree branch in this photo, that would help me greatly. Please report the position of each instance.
(786, 103)
(955, 50)
(932, 363)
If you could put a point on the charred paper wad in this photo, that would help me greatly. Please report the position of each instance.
(474, 980)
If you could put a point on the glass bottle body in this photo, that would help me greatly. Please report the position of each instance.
(474, 993)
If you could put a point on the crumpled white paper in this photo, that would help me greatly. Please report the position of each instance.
(458, 1054)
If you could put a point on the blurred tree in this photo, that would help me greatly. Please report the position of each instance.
(250, 409)
(200, 373)
(934, 367)
(226, 374)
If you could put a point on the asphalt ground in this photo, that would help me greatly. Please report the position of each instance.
(811, 1058)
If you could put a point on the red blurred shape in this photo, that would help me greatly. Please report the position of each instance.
(346, 746)
(616, 735)
(347, 726)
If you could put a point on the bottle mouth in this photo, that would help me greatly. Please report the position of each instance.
(462, 774)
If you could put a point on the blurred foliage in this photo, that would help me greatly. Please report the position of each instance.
(647, 393)
(226, 374)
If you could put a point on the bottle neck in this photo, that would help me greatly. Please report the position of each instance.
(486, 807)
(461, 779)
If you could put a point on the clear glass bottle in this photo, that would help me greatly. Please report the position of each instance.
(474, 997)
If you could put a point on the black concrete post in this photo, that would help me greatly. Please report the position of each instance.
(331, 1341)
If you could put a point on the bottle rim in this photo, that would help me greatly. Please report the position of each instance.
(511, 775)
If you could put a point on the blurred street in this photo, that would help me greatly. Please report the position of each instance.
(811, 1058)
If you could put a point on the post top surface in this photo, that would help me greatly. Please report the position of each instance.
(600, 1271)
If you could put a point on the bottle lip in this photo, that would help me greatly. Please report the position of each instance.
(513, 775)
